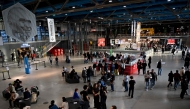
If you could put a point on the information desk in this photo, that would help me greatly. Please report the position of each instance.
(130, 68)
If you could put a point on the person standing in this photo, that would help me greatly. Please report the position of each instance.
(84, 74)
(126, 79)
(176, 79)
(186, 65)
(144, 64)
(96, 94)
(85, 97)
(106, 68)
(163, 49)
(103, 94)
(159, 66)
(182, 72)
(131, 87)
(100, 66)
(139, 66)
(149, 62)
(89, 72)
(170, 78)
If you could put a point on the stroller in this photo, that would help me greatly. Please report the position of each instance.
(34, 94)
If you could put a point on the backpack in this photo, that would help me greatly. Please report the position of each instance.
(83, 73)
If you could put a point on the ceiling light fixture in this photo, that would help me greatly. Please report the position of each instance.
(173, 8)
(124, 6)
(91, 11)
(46, 11)
(66, 14)
(73, 7)
(110, 1)
(169, 0)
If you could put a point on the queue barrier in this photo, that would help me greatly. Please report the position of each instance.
(36, 64)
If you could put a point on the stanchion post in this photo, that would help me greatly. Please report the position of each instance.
(36, 67)
(44, 64)
(3, 76)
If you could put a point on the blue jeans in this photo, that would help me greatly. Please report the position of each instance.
(176, 83)
(160, 71)
(112, 87)
(126, 86)
(147, 84)
(152, 83)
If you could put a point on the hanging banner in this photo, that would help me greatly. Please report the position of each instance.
(51, 29)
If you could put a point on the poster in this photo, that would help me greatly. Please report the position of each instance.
(51, 30)
(117, 41)
(171, 41)
(101, 42)
(112, 41)
(19, 22)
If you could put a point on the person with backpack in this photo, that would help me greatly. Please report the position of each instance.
(53, 105)
(84, 74)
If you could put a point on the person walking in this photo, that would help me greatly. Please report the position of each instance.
(163, 49)
(139, 66)
(100, 66)
(56, 60)
(149, 62)
(84, 74)
(89, 72)
(122, 67)
(125, 80)
(170, 78)
(187, 75)
(153, 79)
(112, 81)
(159, 66)
(116, 68)
(144, 64)
(147, 80)
(183, 54)
(186, 64)
(177, 79)
(94, 68)
(131, 87)
(50, 59)
(182, 72)
(184, 87)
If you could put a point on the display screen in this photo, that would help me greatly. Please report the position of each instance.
(101, 42)
(171, 41)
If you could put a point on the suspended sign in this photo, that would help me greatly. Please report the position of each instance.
(51, 29)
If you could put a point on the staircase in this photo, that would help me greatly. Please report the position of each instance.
(49, 46)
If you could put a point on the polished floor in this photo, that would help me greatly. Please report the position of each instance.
(52, 86)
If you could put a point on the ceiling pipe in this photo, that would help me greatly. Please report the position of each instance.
(93, 7)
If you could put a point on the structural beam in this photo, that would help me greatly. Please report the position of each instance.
(64, 19)
(36, 6)
(173, 12)
(94, 7)
(47, 1)
(63, 5)
(95, 2)
(110, 15)
(85, 17)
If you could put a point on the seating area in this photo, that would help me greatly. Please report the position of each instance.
(70, 80)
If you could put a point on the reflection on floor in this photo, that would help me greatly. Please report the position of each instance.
(53, 87)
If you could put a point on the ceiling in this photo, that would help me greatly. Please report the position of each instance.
(108, 12)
